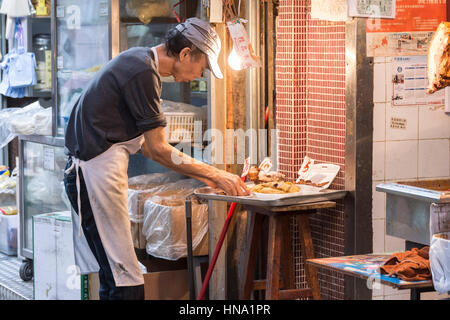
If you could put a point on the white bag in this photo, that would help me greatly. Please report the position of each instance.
(440, 261)
(165, 220)
(440, 246)
(143, 186)
(241, 43)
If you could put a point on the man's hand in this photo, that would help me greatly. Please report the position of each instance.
(157, 149)
(230, 183)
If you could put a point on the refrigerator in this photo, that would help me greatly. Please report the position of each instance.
(41, 189)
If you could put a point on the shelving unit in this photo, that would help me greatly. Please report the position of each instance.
(86, 34)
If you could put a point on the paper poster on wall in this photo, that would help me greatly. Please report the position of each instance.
(372, 8)
(409, 81)
(409, 33)
(329, 10)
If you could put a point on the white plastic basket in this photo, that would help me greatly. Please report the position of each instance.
(184, 127)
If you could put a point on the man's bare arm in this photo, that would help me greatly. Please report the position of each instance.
(157, 149)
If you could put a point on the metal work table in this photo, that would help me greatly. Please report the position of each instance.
(276, 210)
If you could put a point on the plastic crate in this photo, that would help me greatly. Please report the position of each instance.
(184, 127)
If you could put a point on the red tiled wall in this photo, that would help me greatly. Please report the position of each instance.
(291, 85)
(310, 82)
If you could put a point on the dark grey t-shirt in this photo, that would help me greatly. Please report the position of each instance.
(121, 102)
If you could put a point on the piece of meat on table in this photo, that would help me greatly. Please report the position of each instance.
(438, 64)
(271, 176)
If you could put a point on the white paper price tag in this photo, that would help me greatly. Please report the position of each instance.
(246, 167)
(305, 168)
(266, 165)
(49, 159)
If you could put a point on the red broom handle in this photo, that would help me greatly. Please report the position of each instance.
(222, 237)
(217, 250)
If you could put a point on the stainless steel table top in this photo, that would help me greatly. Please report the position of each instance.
(208, 193)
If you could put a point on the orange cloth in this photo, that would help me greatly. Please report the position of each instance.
(413, 265)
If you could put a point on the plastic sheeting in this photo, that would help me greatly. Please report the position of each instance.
(141, 187)
(440, 246)
(440, 261)
(164, 220)
(29, 120)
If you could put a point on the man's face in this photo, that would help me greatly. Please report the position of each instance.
(189, 67)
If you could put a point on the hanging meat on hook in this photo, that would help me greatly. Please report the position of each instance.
(438, 64)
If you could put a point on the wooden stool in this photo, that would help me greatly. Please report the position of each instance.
(279, 242)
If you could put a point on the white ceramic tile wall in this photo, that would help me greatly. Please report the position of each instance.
(433, 123)
(402, 123)
(401, 159)
(379, 120)
(379, 74)
(434, 158)
(434, 296)
(378, 235)
(400, 296)
(378, 160)
(378, 203)
(403, 154)
(393, 244)
(388, 80)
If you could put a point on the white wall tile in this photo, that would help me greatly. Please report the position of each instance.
(379, 59)
(401, 159)
(434, 158)
(379, 88)
(378, 203)
(433, 296)
(393, 244)
(391, 291)
(433, 123)
(402, 122)
(388, 80)
(378, 160)
(378, 235)
(401, 296)
(379, 122)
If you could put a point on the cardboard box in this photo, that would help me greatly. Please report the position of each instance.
(167, 285)
(56, 277)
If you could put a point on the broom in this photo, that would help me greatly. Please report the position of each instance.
(223, 233)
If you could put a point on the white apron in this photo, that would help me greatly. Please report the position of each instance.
(106, 182)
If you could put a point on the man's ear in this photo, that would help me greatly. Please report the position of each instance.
(184, 53)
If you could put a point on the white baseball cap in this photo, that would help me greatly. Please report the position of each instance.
(205, 38)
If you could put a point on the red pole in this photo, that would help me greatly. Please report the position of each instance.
(217, 250)
(222, 237)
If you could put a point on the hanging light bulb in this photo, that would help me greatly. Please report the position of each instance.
(234, 61)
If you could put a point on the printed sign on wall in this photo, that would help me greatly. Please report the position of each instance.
(409, 33)
(372, 8)
(410, 82)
